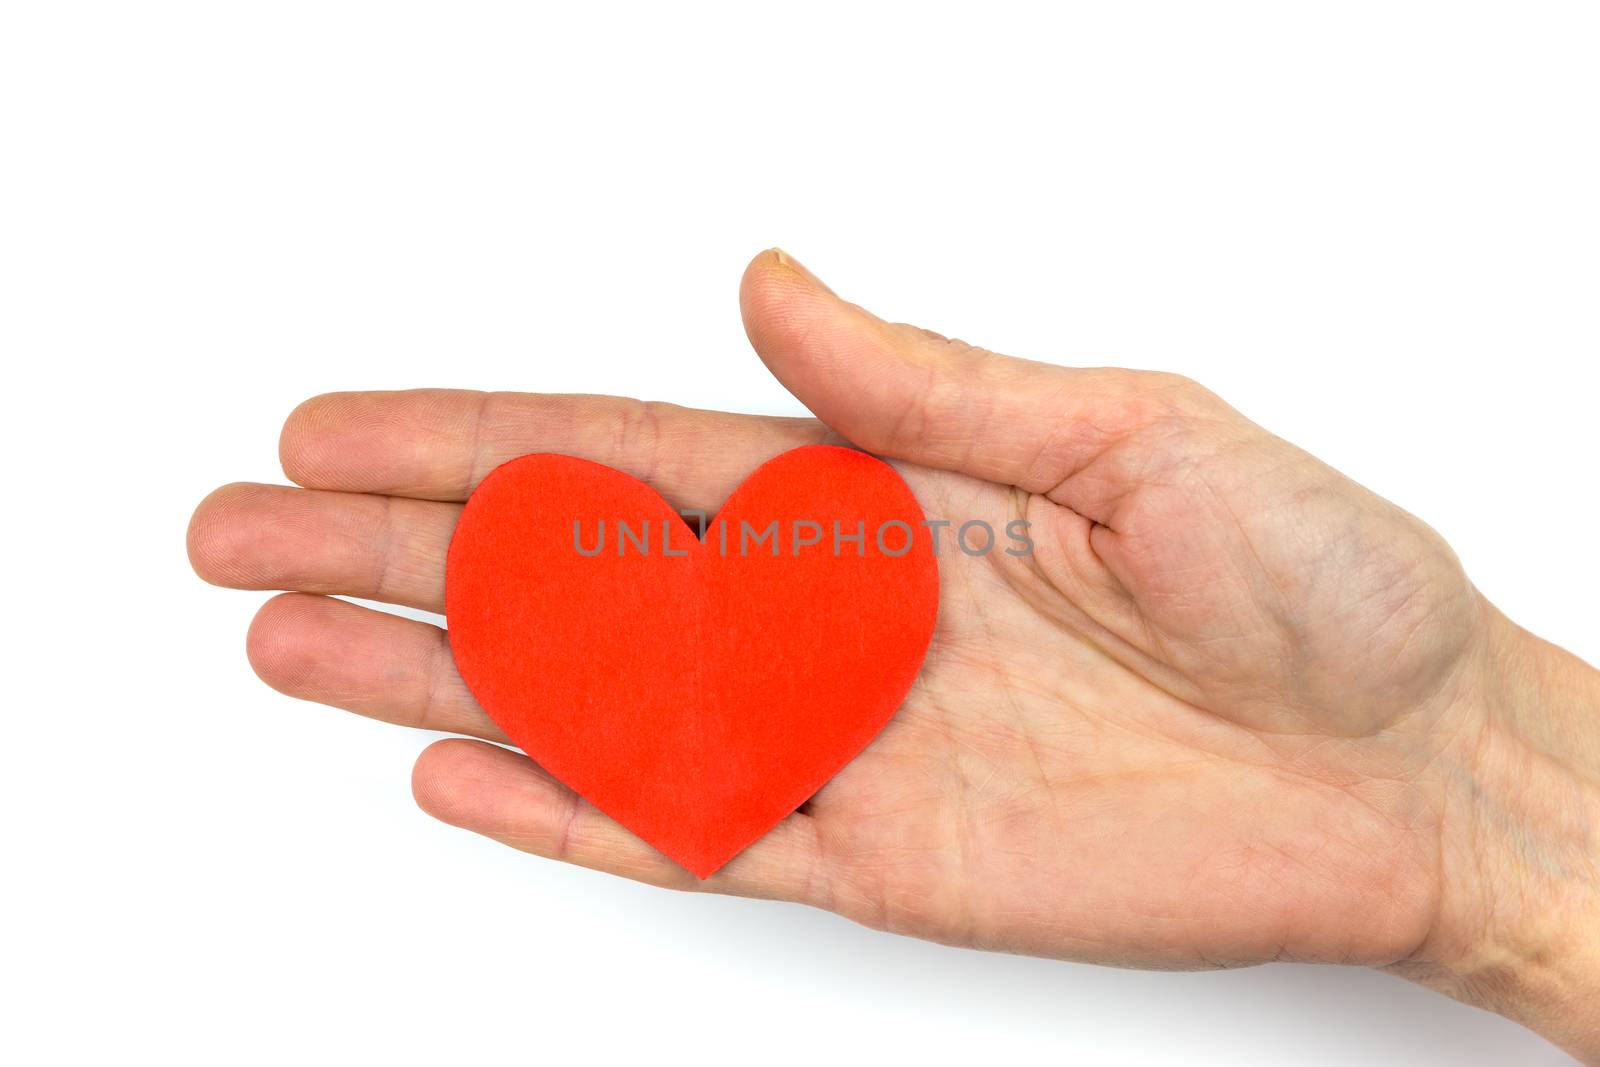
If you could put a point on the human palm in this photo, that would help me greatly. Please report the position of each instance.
(1209, 720)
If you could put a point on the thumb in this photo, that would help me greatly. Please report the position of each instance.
(911, 394)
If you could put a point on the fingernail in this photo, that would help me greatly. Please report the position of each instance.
(786, 260)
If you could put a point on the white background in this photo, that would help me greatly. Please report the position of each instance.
(1372, 227)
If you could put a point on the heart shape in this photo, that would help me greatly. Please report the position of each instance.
(695, 691)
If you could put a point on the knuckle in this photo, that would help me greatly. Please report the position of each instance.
(637, 437)
(1142, 398)
(1184, 394)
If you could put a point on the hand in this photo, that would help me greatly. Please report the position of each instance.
(1235, 708)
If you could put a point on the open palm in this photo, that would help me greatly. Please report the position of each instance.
(1211, 720)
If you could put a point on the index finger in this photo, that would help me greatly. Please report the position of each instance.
(437, 444)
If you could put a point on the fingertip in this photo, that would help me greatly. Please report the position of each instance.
(775, 295)
(436, 785)
(285, 641)
(811, 340)
(220, 541)
(490, 790)
(767, 257)
(309, 439)
(199, 538)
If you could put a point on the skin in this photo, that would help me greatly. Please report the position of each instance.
(1235, 708)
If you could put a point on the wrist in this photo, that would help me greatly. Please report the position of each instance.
(1518, 924)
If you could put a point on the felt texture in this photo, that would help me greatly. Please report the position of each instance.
(698, 698)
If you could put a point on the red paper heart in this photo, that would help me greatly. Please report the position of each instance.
(696, 698)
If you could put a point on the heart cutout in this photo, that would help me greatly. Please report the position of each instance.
(695, 691)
